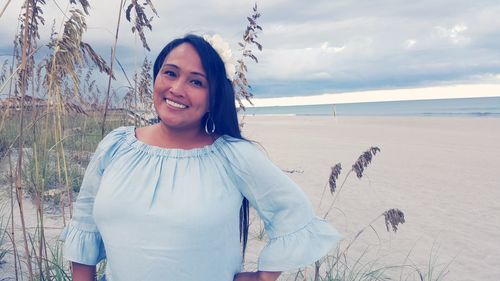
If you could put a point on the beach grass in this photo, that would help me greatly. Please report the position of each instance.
(44, 175)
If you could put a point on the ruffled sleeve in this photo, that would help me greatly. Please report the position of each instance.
(297, 237)
(82, 240)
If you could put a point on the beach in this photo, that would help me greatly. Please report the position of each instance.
(441, 172)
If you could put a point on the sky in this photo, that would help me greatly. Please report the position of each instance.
(319, 47)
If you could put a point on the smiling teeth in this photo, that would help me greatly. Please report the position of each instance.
(174, 104)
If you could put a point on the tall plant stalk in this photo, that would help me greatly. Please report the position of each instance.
(13, 230)
(19, 169)
(240, 83)
(4, 8)
(113, 52)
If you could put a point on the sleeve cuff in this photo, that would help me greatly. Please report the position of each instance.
(82, 246)
(300, 248)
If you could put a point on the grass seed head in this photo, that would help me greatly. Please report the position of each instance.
(334, 175)
(366, 158)
(394, 217)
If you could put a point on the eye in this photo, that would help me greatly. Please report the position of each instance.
(170, 73)
(197, 83)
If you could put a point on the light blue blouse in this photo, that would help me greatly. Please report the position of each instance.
(173, 214)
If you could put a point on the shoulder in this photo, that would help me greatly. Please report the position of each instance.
(113, 139)
(237, 145)
(107, 148)
(244, 153)
(117, 134)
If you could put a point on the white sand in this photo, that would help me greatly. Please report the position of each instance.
(442, 172)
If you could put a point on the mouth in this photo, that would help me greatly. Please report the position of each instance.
(175, 104)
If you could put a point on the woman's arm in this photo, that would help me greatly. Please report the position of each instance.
(257, 276)
(297, 237)
(82, 272)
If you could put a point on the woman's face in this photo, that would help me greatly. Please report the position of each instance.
(180, 92)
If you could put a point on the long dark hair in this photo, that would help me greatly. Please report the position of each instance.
(221, 99)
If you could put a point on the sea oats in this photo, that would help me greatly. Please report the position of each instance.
(394, 217)
(334, 175)
(363, 161)
(85, 5)
(240, 83)
(141, 20)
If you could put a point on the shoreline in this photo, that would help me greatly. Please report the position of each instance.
(473, 107)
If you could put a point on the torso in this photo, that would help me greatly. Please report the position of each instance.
(161, 210)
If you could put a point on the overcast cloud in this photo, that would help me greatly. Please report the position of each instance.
(313, 47)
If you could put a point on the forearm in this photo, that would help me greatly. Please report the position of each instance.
(83, 272)
(257, 276)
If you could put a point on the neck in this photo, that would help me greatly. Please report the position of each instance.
(182, 138)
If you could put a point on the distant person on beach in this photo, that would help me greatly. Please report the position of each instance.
(170, 201)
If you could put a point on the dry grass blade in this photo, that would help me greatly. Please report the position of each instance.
(4, 8)
(95, 58)
(394, 217)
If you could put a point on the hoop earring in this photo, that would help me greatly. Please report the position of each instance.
(212, 126)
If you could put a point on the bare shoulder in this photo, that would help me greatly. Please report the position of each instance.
(145, 133)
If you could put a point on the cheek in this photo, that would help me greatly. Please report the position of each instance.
(156, 95)
(158, 91)
(156, 100)
(156, 88)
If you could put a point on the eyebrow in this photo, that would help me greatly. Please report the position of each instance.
(176, 67)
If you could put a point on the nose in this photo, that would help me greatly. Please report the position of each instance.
(177, 87)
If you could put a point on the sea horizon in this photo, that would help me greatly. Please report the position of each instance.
(459, 107)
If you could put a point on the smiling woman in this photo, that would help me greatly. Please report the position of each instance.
(171, 201)
(180, 93)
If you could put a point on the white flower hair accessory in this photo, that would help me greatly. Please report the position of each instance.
(222, 48)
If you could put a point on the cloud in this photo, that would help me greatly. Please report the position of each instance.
(410, 43)
(455, 34)
(325, 47)
(314, 46)
(309, 63)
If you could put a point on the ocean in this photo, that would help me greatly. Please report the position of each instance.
(464, 107)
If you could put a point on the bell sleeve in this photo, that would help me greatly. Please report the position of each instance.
(297, 237)
(82, 240)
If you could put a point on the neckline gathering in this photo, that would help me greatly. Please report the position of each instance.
(135, 143)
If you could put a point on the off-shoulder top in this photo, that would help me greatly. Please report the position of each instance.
(173, 214)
